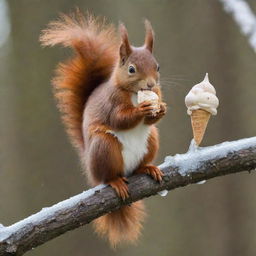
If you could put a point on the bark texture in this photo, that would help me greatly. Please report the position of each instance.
(179, 171)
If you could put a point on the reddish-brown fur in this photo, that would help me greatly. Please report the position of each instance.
(94, 94)
(96, 47)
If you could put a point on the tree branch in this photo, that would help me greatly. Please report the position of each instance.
(244, 18)
(180, 170)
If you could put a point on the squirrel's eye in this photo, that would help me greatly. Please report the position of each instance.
(131, 69)
(157, 68)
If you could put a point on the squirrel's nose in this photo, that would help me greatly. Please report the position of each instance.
(150, 85)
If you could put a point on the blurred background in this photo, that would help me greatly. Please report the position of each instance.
(38, 166)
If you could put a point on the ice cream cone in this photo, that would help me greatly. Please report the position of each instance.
(199, 121)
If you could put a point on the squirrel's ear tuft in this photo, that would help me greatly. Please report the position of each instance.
(149, 38)
(125, 48)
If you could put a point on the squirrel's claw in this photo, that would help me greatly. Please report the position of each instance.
(120, 186)
(151, 170)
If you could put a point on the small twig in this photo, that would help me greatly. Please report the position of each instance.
(244, 17)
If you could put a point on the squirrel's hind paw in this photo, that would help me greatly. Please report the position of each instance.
(120, 186)
(151, 170)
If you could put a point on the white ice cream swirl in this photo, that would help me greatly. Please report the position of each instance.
(202, 96)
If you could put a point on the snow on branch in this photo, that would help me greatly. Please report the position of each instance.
(196, 165)
(244, 17)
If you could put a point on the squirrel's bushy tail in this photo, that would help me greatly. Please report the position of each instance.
(123, 225)
(96, 49)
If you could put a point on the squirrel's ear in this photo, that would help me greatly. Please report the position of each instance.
(125, 48)
(149, 38)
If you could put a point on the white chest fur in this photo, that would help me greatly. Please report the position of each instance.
(134, 142)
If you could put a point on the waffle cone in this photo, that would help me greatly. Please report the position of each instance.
(199, 121)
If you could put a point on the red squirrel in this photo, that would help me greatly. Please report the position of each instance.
(96, 92)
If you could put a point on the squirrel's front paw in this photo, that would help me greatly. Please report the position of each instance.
(163, 108)
(145, 108)
(153, 118)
